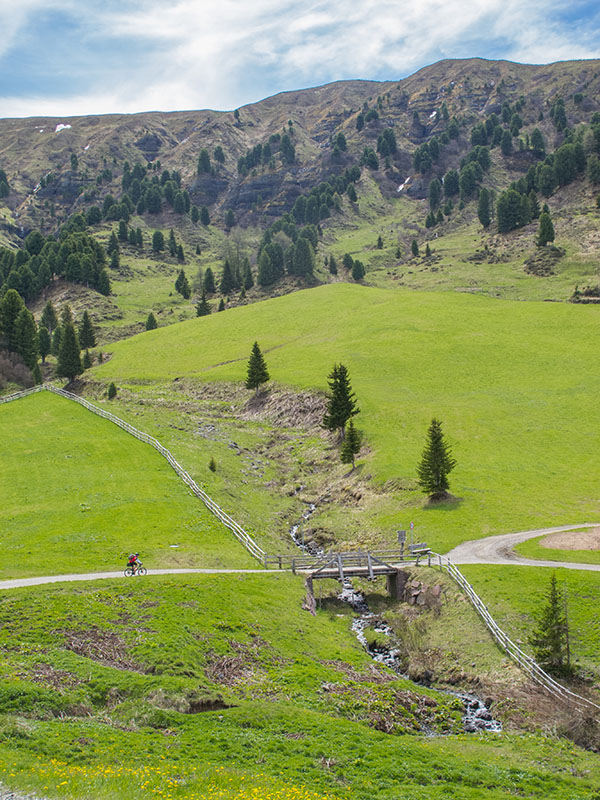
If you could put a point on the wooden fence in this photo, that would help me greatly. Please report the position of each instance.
(525, 662)
(313, 563)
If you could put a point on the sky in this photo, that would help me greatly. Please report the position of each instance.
(73, 57)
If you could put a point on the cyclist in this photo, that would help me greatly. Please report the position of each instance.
(132, 561)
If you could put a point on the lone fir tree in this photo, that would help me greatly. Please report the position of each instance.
(550, 641)
(351, 445)
(257, 369)
(87, 334)
(436, 463)
(341, 405)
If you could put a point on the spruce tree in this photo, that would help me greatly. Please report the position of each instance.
(257, 373)
(551, 639)
(182, 285)
(87, 334)
(333, 265)
(151, 323)
(49, 319)
(87, 360)
(221, 306)
(37, 375)
(69, 359)
(112, 391)
(358, 270)
(414, 248)
(203, 306)
(248, 279)
(341, 404)
(227, 283)
(11, 306)
(204, 216)
(27, 338)
(208, 284)
(483, 208)
(545, 231)
(351, 445)
(44, 343)
(56, 339)
(436, 463)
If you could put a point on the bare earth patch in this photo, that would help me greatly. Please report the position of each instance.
(573, 540)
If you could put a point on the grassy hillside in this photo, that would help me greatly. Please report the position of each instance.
(510, 381)
(78, 494)
(212, 687)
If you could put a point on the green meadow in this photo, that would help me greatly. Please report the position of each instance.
(533, 549)
(219, 686)
(512, 383)
(78, 494)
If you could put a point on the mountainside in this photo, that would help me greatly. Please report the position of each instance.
(471, 89)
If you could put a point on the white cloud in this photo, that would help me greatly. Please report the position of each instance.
(201, 54)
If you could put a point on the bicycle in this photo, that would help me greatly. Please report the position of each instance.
(140, 570)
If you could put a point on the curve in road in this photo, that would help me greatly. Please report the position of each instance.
(499, 549)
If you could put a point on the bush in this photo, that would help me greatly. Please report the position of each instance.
(212, 465)
(13, 370)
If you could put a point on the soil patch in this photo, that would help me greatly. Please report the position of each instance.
(573, 540)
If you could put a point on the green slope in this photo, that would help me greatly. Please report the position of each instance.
(78, 494)
(510, 381)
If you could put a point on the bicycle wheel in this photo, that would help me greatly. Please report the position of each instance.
(128, 572)
(142, 571)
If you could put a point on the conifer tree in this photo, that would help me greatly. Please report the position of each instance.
(257, 373)
(551, 639)
(87, 360)
(56, 339)
(11, 306)
(248, 279)
(113, 244)
(180, 253)
(208, 284)
(436, 463)
(182, 285)
(227, 283)
(221, 306)
(44, 343)
(27, 338)
(69, 359)
(203, 306)
(49, 319)
(341, 405)
(351, 445)
(545, 231)
(333, 265)
(112, 391)
(151, 323)
(37, 375)
(358, 270)
(414, 248)
(87, 334)
(427, 250)
(229, 218)
(204, 216)
(483, 208)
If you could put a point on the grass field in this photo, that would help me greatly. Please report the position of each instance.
(78, 494)
(510, 381)
(533, 549)
(206, 687)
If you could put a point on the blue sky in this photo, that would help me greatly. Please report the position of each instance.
(69, 57)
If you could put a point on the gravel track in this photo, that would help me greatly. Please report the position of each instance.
(499, 549)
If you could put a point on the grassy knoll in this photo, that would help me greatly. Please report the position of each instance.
(533, 549)
(509, 380)
(203, 687)
(514, 595)
(78, 494)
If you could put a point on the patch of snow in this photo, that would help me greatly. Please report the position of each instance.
(402, 185)
(87, 147)
(432, 115)
(60, 127)
(183, 141)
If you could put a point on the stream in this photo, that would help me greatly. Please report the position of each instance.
(476, 715)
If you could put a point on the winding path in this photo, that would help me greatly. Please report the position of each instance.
(499, 549)
(491, 550)
(16, 583)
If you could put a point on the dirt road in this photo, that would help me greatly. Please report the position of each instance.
(499, 549)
